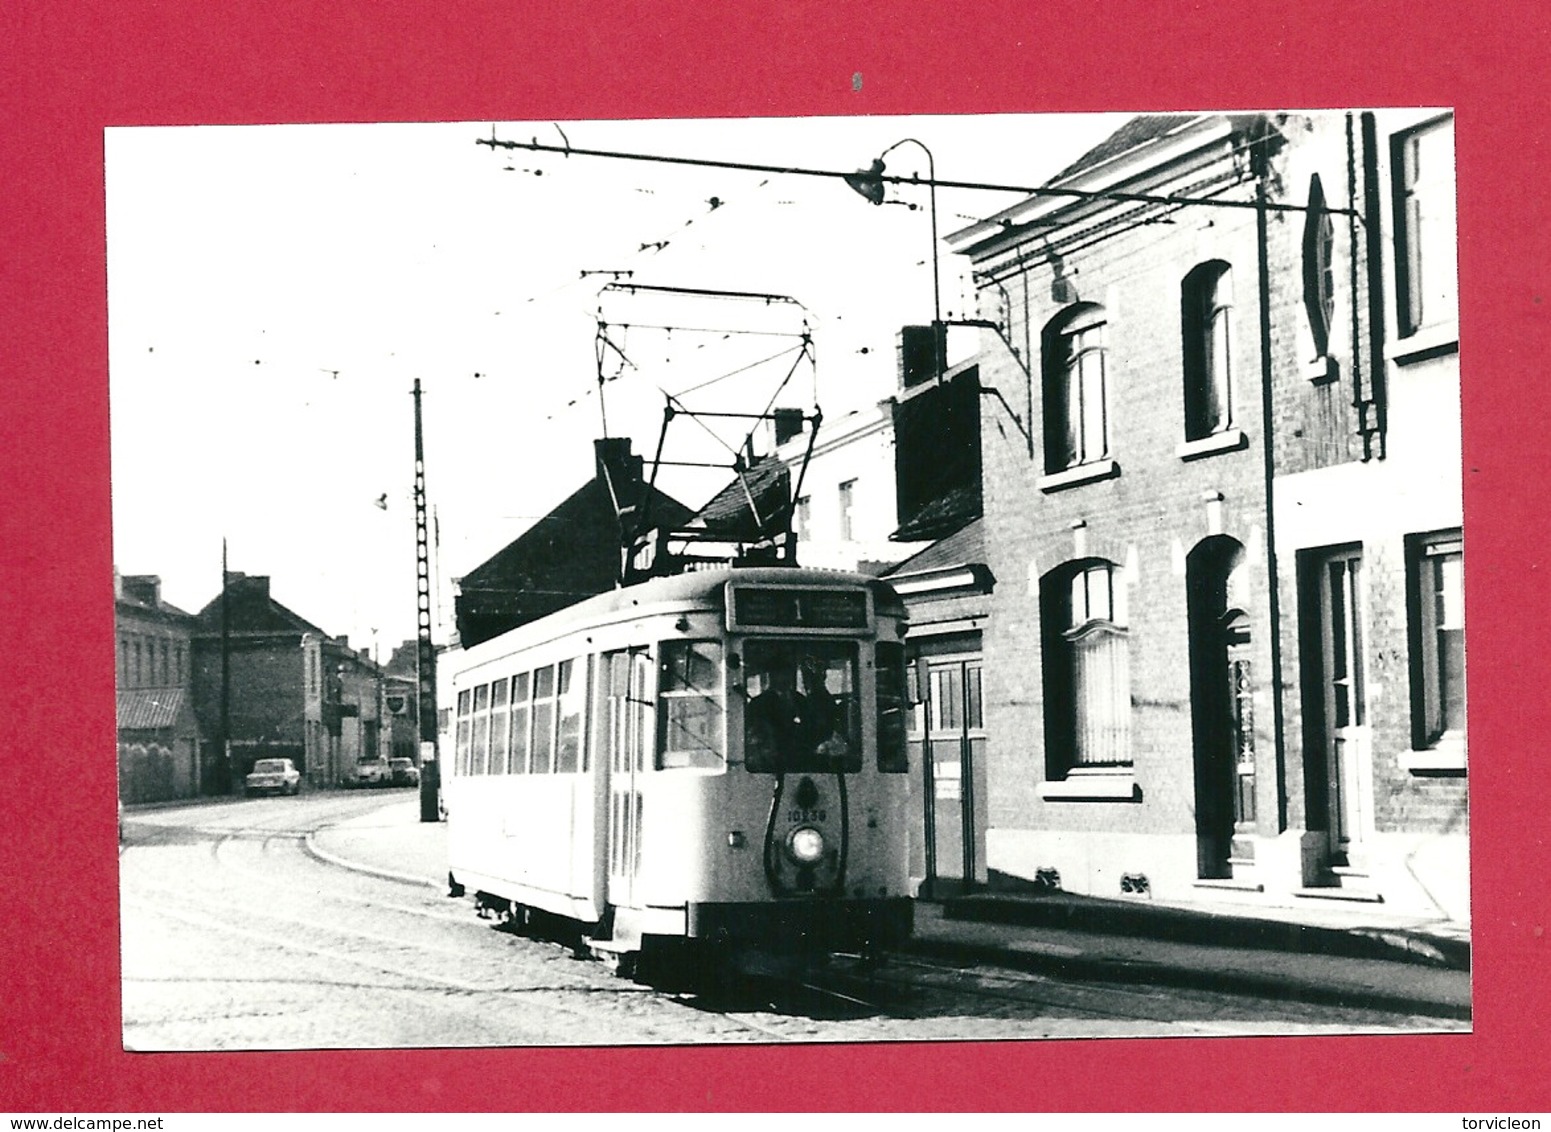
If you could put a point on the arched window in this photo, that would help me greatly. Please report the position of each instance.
(1087, 667)
(1206, 316)
(1076, 397)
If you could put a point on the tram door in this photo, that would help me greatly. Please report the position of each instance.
(631, 731)
(951, 738)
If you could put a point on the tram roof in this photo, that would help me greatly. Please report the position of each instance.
(678, 589)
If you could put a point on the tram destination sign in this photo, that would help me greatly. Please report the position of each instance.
(791, 607)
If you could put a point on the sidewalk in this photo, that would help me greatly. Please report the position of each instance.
(1360, 960)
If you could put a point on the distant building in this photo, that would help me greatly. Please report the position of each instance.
(844, 511)
(401, 703)
(572, 553)
(158, 731)
(289, 689)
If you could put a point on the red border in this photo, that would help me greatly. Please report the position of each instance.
(75, 66)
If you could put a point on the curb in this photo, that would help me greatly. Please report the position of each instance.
(1088, 968)
(310, 844)
(1104, 969)
(1214, 929)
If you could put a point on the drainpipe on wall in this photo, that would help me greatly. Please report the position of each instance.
(1375, 277)
(1267, 402)
(1363, 399)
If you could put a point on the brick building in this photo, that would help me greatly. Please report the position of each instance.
(289, 689)
(1233, 347)
(158, 732)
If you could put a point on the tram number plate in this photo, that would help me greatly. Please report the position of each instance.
(807, 815)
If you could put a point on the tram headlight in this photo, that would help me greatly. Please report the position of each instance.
(805, 845)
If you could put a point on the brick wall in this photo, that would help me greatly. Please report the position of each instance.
(1146, 519)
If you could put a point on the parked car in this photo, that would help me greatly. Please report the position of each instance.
(273, 776)
(371, 772)
(403, 772)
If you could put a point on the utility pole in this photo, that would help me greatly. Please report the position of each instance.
(425, 651)
(224, 772)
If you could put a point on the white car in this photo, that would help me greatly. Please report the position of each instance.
(273, 776)
(371, 772)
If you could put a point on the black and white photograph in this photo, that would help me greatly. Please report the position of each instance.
(805, 580)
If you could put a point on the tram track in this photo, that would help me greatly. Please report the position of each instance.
(277, 916)
(254, 884)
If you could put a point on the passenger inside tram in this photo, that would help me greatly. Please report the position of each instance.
(794, 720)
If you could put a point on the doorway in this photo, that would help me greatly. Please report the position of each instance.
(949, 739)
(1335, 699)
(1222, 686)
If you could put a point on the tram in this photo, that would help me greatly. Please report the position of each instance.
(714, 759)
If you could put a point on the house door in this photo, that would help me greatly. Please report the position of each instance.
(954, 739)
(1221, 709)
(1340, 699)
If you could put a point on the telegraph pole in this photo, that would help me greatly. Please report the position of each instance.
(425, 651)
(224, 772)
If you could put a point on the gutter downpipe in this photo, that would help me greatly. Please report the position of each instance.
(1267, 401)
(1377, 367)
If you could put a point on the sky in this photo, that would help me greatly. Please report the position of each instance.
(275, 291)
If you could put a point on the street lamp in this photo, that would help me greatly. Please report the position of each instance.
(869, 184)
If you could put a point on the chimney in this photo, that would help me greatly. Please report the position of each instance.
(788, 423)
(256, 584)
(922, 352)
(144, 588)
(616, 466)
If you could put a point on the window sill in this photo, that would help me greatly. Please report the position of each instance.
(1228, 440)
(1092, 786)
(1448, 757)
(1082, 473)
(1428, 342)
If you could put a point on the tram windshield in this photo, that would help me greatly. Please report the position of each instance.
(802, 712)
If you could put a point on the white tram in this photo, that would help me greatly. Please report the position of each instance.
(717, 756)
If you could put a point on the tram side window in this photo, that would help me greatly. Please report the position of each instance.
(498, 728)
(543, 749)
(802, 712)
(521, 696)
(465, 701)
(690, 687)
(571, 684)
(892, 706)
(481, 739)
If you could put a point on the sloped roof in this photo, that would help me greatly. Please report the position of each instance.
(148, 709)
(250, 609)
(571, 553)
(728, 515)
(1136, 132)
(546, 553)
(141, 594)
(943, 515)
(964, 547)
